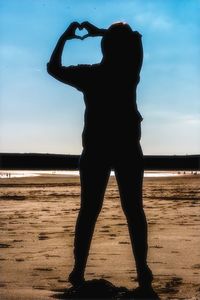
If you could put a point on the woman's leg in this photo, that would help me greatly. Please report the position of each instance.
(94, 177)
(129, 175)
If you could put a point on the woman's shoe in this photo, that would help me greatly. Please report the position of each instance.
(76, 278)
(145, 277)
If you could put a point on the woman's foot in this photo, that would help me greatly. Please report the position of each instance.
(145, 277)
(76, 278)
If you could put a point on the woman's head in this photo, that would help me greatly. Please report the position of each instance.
(118, 43)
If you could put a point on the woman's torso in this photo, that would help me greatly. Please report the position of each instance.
(111, 115)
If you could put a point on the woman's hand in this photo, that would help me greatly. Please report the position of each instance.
(92, 30)
(70, 32)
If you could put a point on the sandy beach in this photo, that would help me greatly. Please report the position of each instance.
(37, 221)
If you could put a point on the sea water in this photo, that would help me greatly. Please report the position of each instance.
(30, 173)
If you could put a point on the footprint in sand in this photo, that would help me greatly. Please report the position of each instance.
(19, 259)
(43, 236)
(197, 266)
(4, 246)
(125, 243)
(43, 269)
(172, 285)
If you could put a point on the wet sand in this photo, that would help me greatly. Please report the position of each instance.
(37, 221)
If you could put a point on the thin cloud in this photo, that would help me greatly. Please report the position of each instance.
(154, 20)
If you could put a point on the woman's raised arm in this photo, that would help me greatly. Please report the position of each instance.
(54, 66)
(76, 76)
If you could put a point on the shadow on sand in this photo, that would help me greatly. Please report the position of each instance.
(103, 289)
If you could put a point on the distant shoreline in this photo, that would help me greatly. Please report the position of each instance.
(37, 161)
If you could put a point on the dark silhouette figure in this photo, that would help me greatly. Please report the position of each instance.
(111, 137)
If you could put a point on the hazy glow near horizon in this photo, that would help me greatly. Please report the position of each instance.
(7, 174)
(39, 114)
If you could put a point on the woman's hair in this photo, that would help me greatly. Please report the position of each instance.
(118, 44)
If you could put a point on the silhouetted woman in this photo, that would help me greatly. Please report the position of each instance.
(111, 137)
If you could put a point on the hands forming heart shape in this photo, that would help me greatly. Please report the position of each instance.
(83, 30)
(81, 33)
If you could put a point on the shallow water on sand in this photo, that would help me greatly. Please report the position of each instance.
(24, 173)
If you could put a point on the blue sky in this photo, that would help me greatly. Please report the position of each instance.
(40, 114)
